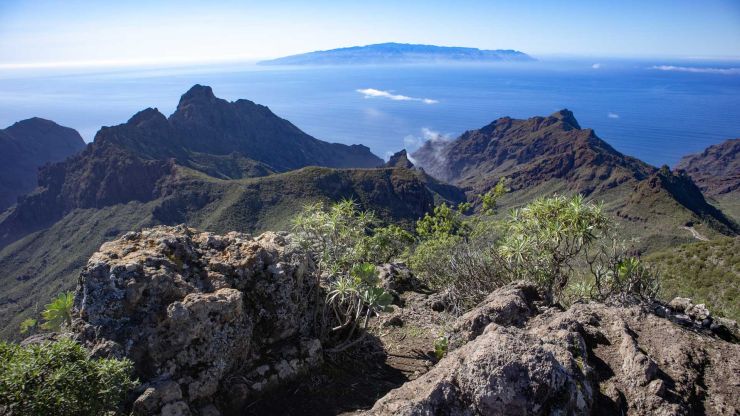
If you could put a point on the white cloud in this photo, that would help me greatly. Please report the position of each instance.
(412, 142)
(373, 93)
(434, 136)
(701, 70)
(596, 66)
(612, 115)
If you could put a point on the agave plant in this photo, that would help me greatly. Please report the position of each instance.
(58, 313)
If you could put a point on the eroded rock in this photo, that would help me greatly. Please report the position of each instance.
(193, 310)
(520, 357)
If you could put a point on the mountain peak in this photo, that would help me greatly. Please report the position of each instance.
(145, 115)
(567, 117)
(197, 93)
(400, 160)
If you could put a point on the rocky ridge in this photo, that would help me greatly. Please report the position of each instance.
(540, 156)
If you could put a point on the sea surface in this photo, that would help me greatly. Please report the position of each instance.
(655, 110)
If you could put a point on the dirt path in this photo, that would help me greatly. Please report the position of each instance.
(695, 233)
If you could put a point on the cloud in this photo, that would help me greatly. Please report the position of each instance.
(412, 142)
(373, 93)
(612, 115)
(596, 66)
(699, 70)
(433, 136)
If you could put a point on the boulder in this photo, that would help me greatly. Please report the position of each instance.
(193, 310)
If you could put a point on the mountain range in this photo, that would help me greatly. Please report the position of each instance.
(212, 164)
(399, 53)
(223, 166)
(25, 147)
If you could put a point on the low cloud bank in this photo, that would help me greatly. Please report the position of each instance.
(698, 70)
(373, 93)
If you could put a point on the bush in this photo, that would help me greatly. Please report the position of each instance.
(60, 378)
(551, 242)
(545, 239)
(346, 244)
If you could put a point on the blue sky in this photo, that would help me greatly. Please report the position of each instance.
(135, 31)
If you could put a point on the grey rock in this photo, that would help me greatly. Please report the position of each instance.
(679, 304)
(193, 309)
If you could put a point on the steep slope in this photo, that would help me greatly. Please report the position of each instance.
(211, 165)
(545, 155)
(398, 53)
(25, 147)
(716, 171)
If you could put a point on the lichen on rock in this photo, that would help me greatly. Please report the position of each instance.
(201, 315)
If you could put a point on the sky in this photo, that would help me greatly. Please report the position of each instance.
(73, 32)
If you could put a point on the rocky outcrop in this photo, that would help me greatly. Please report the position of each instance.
(207, 319)
(399, 160)
(512, 355)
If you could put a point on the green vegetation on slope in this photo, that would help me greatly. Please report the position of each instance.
(45, 263)
(707, 271)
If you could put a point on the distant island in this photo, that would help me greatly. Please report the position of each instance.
(399, 53)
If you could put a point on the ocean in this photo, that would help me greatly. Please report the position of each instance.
(655, 110)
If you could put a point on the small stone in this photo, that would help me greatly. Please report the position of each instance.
(680, 304)
(657, 387)
(394, 320)
(698, 312)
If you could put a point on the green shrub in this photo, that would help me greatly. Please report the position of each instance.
(441, 344)
(58, 313)
(347, 245)
(60, 378)
(550, 242)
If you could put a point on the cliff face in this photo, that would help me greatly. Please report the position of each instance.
(25, 147)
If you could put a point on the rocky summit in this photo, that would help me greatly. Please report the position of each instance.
(206, 318)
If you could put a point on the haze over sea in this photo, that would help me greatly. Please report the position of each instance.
(655, 110)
